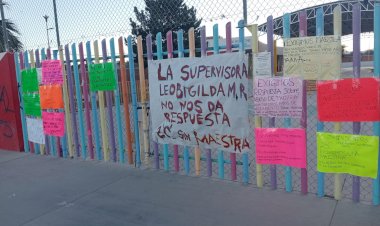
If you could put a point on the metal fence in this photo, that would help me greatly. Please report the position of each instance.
(95, 20)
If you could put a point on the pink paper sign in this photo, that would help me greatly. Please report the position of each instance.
(281, 146)
(54, 123)
(278, 97)
(52, 72)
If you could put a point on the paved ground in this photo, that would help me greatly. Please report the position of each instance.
(40, 190)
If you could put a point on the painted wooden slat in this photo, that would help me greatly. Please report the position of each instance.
(204, 54)
(228, 50)
(84, 79)
(67, 146)
(245, 160)
(50, 141)
(94, 109)
(258, 120)
(273, 168)
(169, 45)
(134, 100)
(320, 125)
(102, 113)
(109, 100)
(181, 53)
(356, 30)
(116, 94)
(40, 148)
(150, 57)
(303, 33)
(70, 85)
(287, 121)
(22, 112)
(160, 57)
(127, 118)
(78, 94)
(376, 125)
(221, 161)
(143, 101)
(338, 181)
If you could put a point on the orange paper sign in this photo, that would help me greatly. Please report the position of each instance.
(51, 97)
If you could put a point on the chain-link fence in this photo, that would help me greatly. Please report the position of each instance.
(95, 19)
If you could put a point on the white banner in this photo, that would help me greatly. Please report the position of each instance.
(35, 130)
(201, 101)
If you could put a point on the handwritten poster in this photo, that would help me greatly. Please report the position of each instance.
(31, 104)
(54, 123)
(346, 153)
(314, 58)
(262, 64)
(278, 97)
(349, 100)
(281, 146)
(52, 72)
(102, 77)
(51, 97)
(35, 130)
(29, 80)
(201, 101)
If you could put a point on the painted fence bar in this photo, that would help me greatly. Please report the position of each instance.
(376, 125)
(116, 94)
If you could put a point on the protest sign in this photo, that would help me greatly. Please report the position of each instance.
(29, 80)
(51, 97)
(278, 97)
(281, 146)
(35, 130)
(346, 153)
(102, 77)
(54, 123)
(349, 100)
(52, 72)
(31, 104)
(262, 64)
(201, 101)
(313, 58)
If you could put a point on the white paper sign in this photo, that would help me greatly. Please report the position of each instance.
(201, 101)
(278, 97)
(39, 75)
(262, 64)
(35, 130)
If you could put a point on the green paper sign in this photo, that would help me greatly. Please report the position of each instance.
(29, 81)
(32, 105)
(345, 153)
(102, 77)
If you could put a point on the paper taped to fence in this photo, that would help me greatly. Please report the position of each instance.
(31, 104)
(54, 123)
(262, 64)
(314, 58)
(346, 153)
(29, 80)
(278, 97)
(281, 146)
(52, 72)
(102, 77)
(35, 130)
(51, 97)
(349, 100)
(201, 101)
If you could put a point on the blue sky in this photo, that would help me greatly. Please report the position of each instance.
(81, 20)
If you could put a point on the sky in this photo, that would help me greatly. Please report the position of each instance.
(97, 19)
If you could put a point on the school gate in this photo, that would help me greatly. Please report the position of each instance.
(75, 105)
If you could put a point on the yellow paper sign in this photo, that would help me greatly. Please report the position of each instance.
(345, 153)
(313, 58)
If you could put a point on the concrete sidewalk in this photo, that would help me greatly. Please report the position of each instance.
(42, 190)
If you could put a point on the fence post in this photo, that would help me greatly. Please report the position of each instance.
(376, 65)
